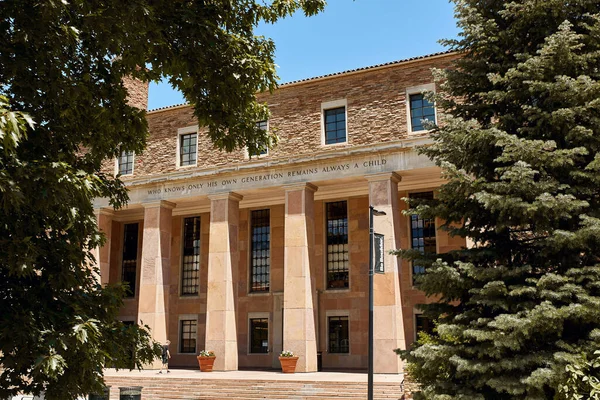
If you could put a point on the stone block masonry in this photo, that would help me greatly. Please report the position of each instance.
(376, 113)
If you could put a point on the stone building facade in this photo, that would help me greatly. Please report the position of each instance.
(247, 256)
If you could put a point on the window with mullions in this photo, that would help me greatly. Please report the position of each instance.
(263, 150)
(126, 163)
(130, 252)
(187, 340)
(337, 245)
(187, 149)
(420, 109)
(190, 270)
(260, 257)
(335, 125)
(422, 233)
(259, 335)
(339, 339)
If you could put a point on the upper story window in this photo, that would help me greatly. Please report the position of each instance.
(260, 258)
(334, 122)
(422, 233)
(335, 125)
(125, 163)
(263, 150)
(337, 245)
(130, 256)
(419, 109)
(187, 146)
(187, 149)
(190, 270)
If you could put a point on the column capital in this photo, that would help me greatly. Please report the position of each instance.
(226, 196)
(300, 186)
(383, 176)
(159, 203)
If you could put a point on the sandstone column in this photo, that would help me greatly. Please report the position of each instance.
(223, 261)
(387, 311)
(104, 218)
(299, 286)
(154, 273)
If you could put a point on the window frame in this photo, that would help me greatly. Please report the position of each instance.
(410, 237)
(326, 253)
(118, 164)
(186, 131)
(259, 315)
(337, 314)
(247, 153)
(330, 105)
(416, 314)
(180, 319)
(250, 248)
(428, 87)
(138, 260)
(182, 262)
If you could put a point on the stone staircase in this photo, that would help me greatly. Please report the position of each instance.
(155, 388)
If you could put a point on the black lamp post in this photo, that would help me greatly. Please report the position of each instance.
(372, 212)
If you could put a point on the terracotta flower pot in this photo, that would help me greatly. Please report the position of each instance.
(288, 364)
(206, 363)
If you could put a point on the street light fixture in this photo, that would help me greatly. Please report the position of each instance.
(372, 212)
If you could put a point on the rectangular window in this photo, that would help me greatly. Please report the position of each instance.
(420, 109)
(187, 149)
(130, 252)
(126, 163)
(422, 324)
(339, 339)
(335, 125)
(260, 257)
(422, 233)
(337, 245)
(263, 150)
(187, 340)
(259, 335)
(190, 270)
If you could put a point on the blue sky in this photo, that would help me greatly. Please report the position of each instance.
(348, 34)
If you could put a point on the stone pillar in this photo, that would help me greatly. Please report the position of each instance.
(153, 304)
(299, 333)
(387, 311)
(104, 218)
(223, 262)
(277, 328)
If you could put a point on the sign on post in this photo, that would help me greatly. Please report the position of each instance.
(378, 264)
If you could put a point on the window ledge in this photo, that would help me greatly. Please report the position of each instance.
(189, 296)
(186, 166)
(252, 294)
(341, 290)
(325, 146)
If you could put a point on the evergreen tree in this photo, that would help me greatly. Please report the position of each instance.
(519, 310)
(63, 64)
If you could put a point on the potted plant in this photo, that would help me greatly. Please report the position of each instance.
(288, 361)
(206, 359)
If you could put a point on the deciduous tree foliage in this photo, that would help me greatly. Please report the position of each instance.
(519, 312)
(62, 64)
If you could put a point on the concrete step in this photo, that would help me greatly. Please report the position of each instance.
(163, 388)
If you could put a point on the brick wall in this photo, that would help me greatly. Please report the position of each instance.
(376, 113)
